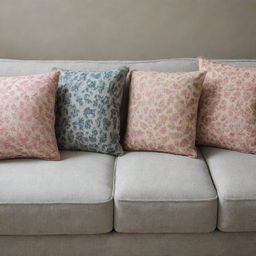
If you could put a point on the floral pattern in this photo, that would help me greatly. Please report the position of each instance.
(87, 111)
(27, 116)
(227, 111)
(162, 111)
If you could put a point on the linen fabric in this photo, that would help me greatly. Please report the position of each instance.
(10, 67)
(162, 111)
(163, 193)
(116, 244)
(27, 116)
(88, 110)
(234, 175)
(71, 196)
(227, 109)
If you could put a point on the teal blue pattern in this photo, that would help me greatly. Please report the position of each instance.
(88, 110)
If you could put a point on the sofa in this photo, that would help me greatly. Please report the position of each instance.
(141, 203)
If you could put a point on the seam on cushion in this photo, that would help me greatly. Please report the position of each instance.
(58, 203)
(113, 180)
(168, 201)
(113, 192)
(209, 171)
(99, 61)
(237, 200)
(122, 61)
(37, 235)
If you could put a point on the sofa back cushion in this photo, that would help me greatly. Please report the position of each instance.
(26, 67)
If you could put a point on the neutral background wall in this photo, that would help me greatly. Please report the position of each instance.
(127, 29)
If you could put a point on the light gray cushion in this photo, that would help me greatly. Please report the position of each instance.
(163, 193)
(234, 175)
(72, 196)
(10, 67)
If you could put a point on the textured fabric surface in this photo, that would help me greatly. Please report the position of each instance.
(162, 111)
(227, 110)
(88, 110)
(27, 116)
(163, 193)
(234, 175)
(116, 244)
(71, 196)
(10, 67)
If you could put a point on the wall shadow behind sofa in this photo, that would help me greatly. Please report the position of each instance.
(127, 29)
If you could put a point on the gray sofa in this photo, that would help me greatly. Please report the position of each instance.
(143, 203)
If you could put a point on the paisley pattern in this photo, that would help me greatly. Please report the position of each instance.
(227, 111)
(27, 116)
(162, 111)
(87, 111)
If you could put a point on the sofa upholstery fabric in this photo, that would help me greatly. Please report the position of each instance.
(163, 193)
(25, 67)
(234, 175)
(42, 201)
(118, 244)
(72, 196)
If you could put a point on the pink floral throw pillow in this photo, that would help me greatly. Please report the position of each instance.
(227, 109)
(27, 116)
(162, 112)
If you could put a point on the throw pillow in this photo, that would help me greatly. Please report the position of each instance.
(162, 111)
(27, 116)
(88, 110)
(227, 110)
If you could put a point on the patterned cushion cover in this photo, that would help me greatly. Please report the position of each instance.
(87, 111)
(227, 110)
(27, 116)
(162, 111)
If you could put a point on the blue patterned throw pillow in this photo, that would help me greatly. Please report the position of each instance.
(88, 110)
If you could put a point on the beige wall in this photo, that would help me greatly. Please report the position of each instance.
(127, 29)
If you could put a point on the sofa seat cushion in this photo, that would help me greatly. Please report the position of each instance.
(163, 193)
(234, 175)
(72, 196)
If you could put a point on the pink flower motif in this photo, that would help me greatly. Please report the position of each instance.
(25, 119)
(226, 115)
(164, 119)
